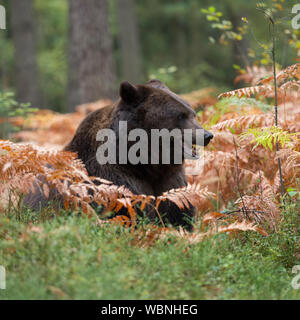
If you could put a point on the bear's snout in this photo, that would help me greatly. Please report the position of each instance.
(207, 137)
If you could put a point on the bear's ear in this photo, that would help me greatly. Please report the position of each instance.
(155, 83)
(129, 93)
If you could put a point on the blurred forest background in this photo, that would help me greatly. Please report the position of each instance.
(59, 54)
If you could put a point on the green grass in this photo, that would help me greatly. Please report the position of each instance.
(71, 258)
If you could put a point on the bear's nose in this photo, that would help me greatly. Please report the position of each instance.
(208, 136)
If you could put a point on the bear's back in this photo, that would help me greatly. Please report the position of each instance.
(84, 141)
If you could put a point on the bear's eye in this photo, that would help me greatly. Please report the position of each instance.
(182, 116)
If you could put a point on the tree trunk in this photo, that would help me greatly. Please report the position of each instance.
(239, 48)
(91, 65)
(73, 66)
(129, 41)
(24, 38)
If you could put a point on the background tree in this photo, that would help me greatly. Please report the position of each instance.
(73, 64)
(24, 38)
(172, 41)
(128, 41)
(91, 65)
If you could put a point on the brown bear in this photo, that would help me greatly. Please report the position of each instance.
(147, 107)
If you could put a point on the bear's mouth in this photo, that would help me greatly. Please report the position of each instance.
(190, 152)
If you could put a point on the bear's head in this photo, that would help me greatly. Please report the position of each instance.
(155, 106)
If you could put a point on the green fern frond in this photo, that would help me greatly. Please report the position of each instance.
(267, 137)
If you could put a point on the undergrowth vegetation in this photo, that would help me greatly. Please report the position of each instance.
(70, 257)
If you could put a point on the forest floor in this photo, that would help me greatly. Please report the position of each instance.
(68, 257)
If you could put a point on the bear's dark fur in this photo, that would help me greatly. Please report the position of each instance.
(150, 106)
